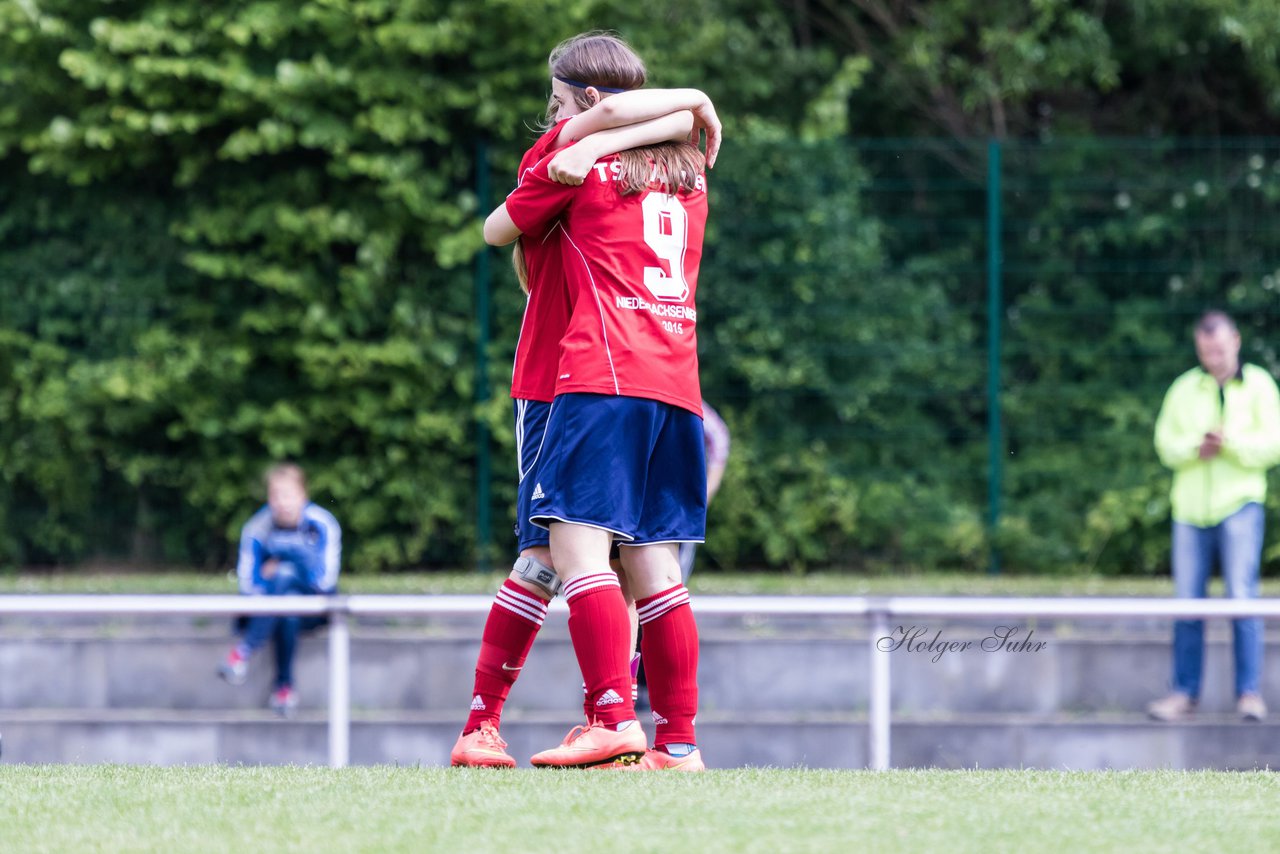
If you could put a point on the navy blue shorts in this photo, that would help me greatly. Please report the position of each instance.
(631, 466)
(531, 425)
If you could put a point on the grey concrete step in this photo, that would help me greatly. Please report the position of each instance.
(1065, 742)
(819, 667)
(466, 622)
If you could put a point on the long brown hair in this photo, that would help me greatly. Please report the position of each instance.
(518, 264)
(603, 59)
(667, 166)
(596, 58)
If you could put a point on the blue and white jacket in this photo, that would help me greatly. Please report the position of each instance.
(314, 549)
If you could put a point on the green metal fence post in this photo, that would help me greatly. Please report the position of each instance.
(482, 288)
(995, 452)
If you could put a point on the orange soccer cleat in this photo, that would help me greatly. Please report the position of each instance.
(482, 748)
(659, 760)
(595, 745)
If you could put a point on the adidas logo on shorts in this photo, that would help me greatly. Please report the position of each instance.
(659, 719)
(537, 492)
(608, 698)
(477, 704)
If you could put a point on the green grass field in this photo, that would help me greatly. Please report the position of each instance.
(115, 808)
(707, 583)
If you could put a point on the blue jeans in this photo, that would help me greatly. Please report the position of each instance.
(1236, 543)
(283, 629)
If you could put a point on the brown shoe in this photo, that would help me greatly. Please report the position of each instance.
(1251, 707)
(1175, 707)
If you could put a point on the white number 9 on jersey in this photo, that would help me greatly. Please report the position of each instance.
(666, 230)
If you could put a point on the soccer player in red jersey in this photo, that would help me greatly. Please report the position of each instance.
(579, 113)
(623, 458)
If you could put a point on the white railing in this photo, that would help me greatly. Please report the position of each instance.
(877, 610)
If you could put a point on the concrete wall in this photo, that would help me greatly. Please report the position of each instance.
(956, 741)
(774, 692)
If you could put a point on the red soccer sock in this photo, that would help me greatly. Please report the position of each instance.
(513, 623)
(669, 645)
(601, 633)
(635, 687)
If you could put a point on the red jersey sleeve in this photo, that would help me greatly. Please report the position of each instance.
(538, 200)
(540, 149)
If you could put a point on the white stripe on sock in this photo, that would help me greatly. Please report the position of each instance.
(520, 607)
(594, 581)
(584, 589)
(676, 596)
(524, 599)
(655, 609)
(662, 601)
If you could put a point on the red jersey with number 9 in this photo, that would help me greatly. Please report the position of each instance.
(546, 312)
(632, 267)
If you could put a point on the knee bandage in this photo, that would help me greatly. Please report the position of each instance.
(538, 574)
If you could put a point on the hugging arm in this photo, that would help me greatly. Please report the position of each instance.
(642, 105)
(499, 229)
(571, 165)
(531, 208)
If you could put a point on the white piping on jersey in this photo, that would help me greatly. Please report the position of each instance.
(524, 319)
(529, 297)
(520, 178)
(604, 332)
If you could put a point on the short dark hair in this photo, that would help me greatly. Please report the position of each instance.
(286, 471)
(1214, 319)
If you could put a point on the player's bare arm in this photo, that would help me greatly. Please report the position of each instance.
(628, 108)
(499, 230)
(571, 164)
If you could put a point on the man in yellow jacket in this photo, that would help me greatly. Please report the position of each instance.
(1219, 431)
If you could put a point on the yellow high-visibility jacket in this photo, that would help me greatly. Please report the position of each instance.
(1247, 410)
